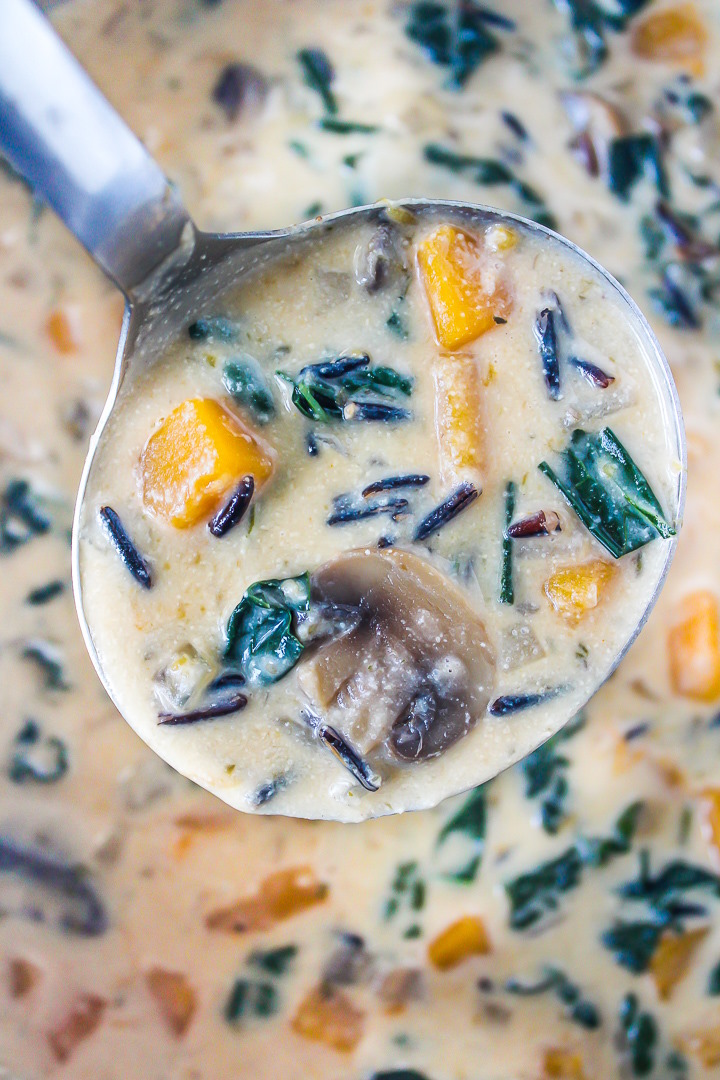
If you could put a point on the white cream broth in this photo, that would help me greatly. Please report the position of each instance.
(152, 970)
(315, 309)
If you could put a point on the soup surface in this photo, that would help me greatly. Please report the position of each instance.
(361, 586)
(561, 920)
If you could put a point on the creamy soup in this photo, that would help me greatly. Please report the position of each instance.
(560, 921)
(377, 509)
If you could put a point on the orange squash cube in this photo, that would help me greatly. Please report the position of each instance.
(193, 459)
(466, 937)
(61, 327)
(463, 296)
(280, 896)
(327, 1015)
(676, 35)
(562, 1064)
(694, 649)
(575, 590)
(458, 418)
(174, 996)
(703, 1045)
(673, 957)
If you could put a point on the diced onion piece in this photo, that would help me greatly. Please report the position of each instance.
(463, 294)
(327, 1015)
(458, 419)
(694, 649)
(195, 457)
(464, 938)
(575, 590)
(676, 35)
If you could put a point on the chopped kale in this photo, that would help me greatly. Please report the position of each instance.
(35, 757)
(245, 381)
(456, 37)
(22, 515)
(507, 586)
(261, 633)
(319, 75)
(608, 492)
(349, 388)
(537, 893)
(491, 172)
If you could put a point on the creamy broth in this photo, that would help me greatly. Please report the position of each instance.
(434, 679)
(195, 942)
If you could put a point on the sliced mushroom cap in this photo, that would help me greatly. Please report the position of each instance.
(596, 123)
(416, 674)
(380, 261)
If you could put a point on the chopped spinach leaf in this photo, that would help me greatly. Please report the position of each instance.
(578, 1008)
(217, 327)
(466, 828)
(608, 492)
(319, 75)
(632, 157)
(349, 388)
(598, 851)
(633, 943)
(274, 961)
(245, 381)
(714, 981)
(22, 515)
(49, 660)
(507, 587)
(589, 21)
(407, 891)
(544, 772)
(459, 38)
(537, 893)
(261, 632)
(37, 757)
(336, 126)
(45, 593)
(249, 998)
(638, 1036)
(491, 172)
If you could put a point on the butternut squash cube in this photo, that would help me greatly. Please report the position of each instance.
(280, 896)
(704, 1045)
(458, 419)
(575, 590)
(562, 1064)
(673, 957)
(174, 996)
(327, 1015)
(710, 819)
(466, 937)
(676, 35)
(463, 295)
(694, 649)
(193, 459)
(62, 330)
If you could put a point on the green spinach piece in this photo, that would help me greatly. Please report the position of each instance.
(608, 492)
(468, 823)
(43, 594)
(600, 850)
(250, 998)
(536, 893)
(589, 22)
(38, 758)
(274, 961)
(632, 157)
(349, 388)
(633, 943)
(714, 981)
(319, 75)
(261, 638)
(407, 891)
(246, 383)
(457, 37)
(335, 126)
(578, 1008)
(23, 515)
(544, 771)
(491, 172)
(507, 588)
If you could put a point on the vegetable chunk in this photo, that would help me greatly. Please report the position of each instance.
(196, 455)
(694, 649)
(463, 297)
(458, 419)
(575, 590)
(327, 1015)
(464, 938)
(676, 35)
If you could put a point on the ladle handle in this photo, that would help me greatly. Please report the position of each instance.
(60, 134)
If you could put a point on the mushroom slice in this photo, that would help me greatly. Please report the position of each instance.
(596, 123)
(416, 674)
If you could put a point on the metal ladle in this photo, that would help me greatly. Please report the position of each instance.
(63, 137)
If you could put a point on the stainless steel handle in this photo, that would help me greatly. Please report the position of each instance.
(60, 133)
